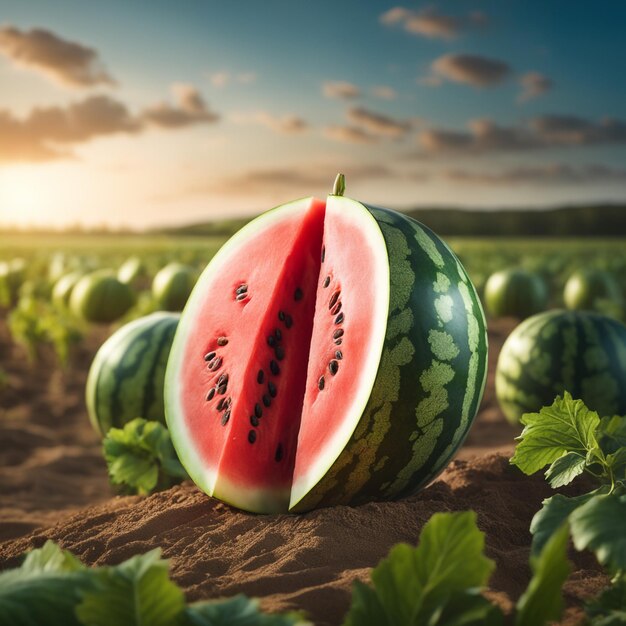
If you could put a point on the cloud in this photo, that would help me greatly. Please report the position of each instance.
(223, 78)
(384, 93)
(548, 131)
(52, 132)
(340, 89)
(552, 174)
(349, 134)
(288, 124)
(430, 23)
(534, 85)
(471, 69)
(66, 62)
(190, 108)
(378, 123)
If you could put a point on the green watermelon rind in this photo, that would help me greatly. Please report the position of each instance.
(126, 377)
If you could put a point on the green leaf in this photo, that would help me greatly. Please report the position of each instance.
(44, 591)
(609, 608)
(600, 525)
(566, 426)
(551, 517)
(542, 601)
(470, 608)
(237, 611)
(137, 592)
(141, 457)
(565, 469)
(366, 608)
(413, 585)
(612, 433)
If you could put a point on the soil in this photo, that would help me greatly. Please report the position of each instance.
(53, 485)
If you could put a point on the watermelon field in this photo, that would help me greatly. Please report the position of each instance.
(447, 519)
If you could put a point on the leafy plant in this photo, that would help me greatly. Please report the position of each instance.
(53, 587)
(140, 457)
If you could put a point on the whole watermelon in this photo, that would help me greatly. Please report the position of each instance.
(576, 351)
(172, 285)
(62, 290)
(587, 289)
(101, 298)
(126, 377)
(515, 293)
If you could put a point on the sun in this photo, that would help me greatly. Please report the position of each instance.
(22, 200)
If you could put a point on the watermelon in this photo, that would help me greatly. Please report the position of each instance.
(515, 293)
(556, 351)
(586, 289)
(172, 285)
(63, 288)
(126, 376)
(133, 272)
(101, 298)
(330, 353)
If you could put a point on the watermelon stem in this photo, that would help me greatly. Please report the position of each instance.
(340, 185)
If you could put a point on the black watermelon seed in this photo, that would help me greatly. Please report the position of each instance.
(320, 383)
(297, 294)
(221, 405)
(326, 281)
(271, 387)
(221, 390)
(252, 436)
(241, 296)
(278, 334)
(338, 342)
(222, 341)
(279, 453)
(258, 411)
(336, 308)
(288, 321)
(339, 354)
(267, 401)
(271, 342)
(242, 289)
(281, 315)
(260, 377)
(225, 418)
(333, 366)
(254, 420)
(333, 299)
(338, 333)
(215, 364)
(229, 401)
(209, 355)
(280, 353)
(274, 368)
(339, 318)
(323, 253)
(222, 380)
(209, 396)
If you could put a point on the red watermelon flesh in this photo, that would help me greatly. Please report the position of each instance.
(271, 353)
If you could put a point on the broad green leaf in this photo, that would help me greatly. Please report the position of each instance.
(237, 611)
(366, 609)
(51, 558)
(609, 608)
(566, 426)
(44, 591)
(138, 592)
(565, 469)
(141, 457)
(469, 608)
(600, 525)
(612, 433)
(413, 585)
(542, 601)
(617, 463)
(551, 517)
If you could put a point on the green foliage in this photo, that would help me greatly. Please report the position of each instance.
(140, 456)
(609, 608)
(237, 611)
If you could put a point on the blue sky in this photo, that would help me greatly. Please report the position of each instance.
(161, 112)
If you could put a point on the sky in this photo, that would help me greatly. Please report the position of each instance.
(156, 113)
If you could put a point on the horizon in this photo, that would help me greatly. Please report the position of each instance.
(201, 115)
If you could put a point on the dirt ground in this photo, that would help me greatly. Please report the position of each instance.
(53, 484)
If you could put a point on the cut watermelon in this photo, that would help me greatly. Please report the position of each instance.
(329, 353)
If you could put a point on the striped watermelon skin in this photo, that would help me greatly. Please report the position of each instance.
(430, 380)
(576, 351)
(126, 377)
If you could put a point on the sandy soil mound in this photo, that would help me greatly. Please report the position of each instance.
(309, 561)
